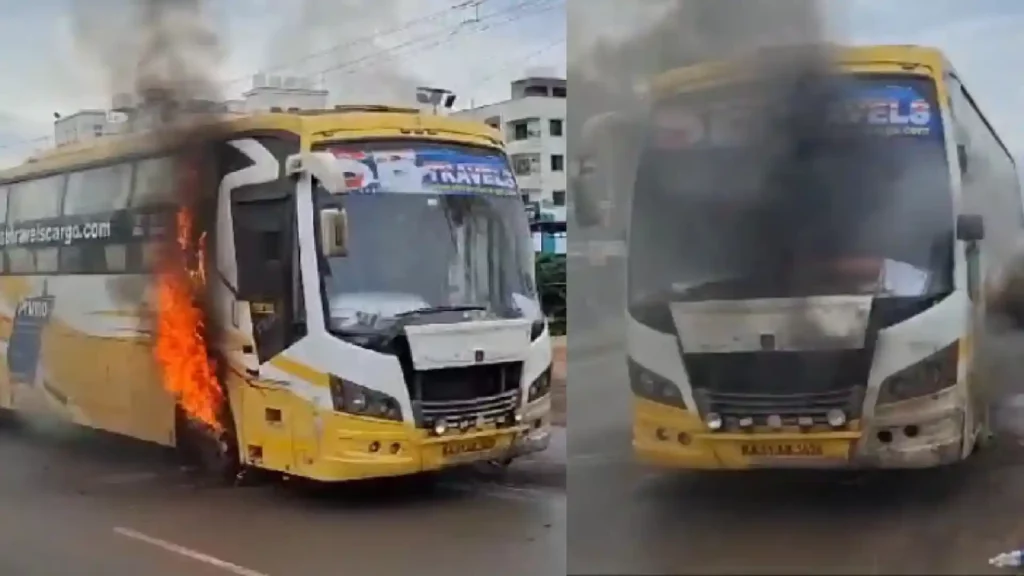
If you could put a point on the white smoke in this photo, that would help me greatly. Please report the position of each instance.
(333, 42)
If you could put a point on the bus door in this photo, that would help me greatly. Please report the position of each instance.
(263, 220)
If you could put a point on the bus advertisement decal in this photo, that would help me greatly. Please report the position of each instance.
(119, 227)
(25, 347)
(428, 170)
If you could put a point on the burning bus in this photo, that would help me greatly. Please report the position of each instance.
(804, 288)
(334, 294)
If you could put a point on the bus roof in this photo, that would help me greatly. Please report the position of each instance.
(903, 57)
(313, 127)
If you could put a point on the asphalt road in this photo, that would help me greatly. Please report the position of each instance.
(626, 519)
(95, 506)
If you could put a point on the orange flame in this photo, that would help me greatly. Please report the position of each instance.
(181, 349)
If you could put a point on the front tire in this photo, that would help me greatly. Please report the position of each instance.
(214, 455)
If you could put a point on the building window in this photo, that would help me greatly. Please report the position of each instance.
(558, 197)
(526, 164)
(558, 91)
(555, 127)
(520, 131)
(557, 163)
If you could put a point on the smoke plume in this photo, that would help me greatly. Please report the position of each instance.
(609, 75)
(347, 57)
(166, 54)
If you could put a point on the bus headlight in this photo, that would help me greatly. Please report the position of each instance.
(352, 398)
(537, 329)
(934, 373)
(540, 387)
(648, 385)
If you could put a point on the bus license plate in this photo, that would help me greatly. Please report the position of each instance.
(461, 447)
(782, 449)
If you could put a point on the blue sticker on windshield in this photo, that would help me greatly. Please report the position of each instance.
(427, 171)
(891, 110)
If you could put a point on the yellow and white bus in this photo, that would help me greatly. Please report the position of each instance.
(373, 284)
(720, 366)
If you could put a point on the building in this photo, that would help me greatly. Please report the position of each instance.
(82, 126)
(533, 124)
(128, 114)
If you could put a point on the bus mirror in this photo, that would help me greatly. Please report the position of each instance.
(334, 232)
(970, 228)
(961, 156)
(336, 175)
(584, 193)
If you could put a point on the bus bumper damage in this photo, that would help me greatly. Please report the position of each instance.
(917, 433)
(537, 435)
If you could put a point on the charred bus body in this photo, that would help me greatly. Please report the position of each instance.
(811, 300)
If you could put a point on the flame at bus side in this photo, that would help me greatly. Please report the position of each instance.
(189, 370)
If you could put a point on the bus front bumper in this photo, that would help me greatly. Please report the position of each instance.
(919, 433)
(352, 448)
(537, 436)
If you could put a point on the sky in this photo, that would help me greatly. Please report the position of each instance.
(357, 52)
(63, 58)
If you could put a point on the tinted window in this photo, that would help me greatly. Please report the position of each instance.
(29, 201)
(153, 181)
(98, 190)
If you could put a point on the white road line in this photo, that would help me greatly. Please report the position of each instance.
(188, 552)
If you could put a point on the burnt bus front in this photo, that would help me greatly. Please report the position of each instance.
(799, 308)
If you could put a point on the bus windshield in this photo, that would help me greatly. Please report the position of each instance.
(431, 226)
(862, 206)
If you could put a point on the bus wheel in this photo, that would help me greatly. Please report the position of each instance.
(214, 455)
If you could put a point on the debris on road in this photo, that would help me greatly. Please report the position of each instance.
(1013, 559)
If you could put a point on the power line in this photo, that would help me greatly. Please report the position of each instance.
(448, 37)
(401, 27)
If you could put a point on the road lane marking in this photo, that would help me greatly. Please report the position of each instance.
(187, 552)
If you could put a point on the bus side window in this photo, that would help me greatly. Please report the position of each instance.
(263, 221)
(95, 197)
(960, 109)
(151, 188)
(30, 203)
(264, 236)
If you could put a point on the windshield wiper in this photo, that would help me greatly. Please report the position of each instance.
(438, 310)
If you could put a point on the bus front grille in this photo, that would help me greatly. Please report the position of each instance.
(789, 385)
(467, 397)
(789, 408)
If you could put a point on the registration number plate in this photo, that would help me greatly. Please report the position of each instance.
(782, 450)
(460, 447)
